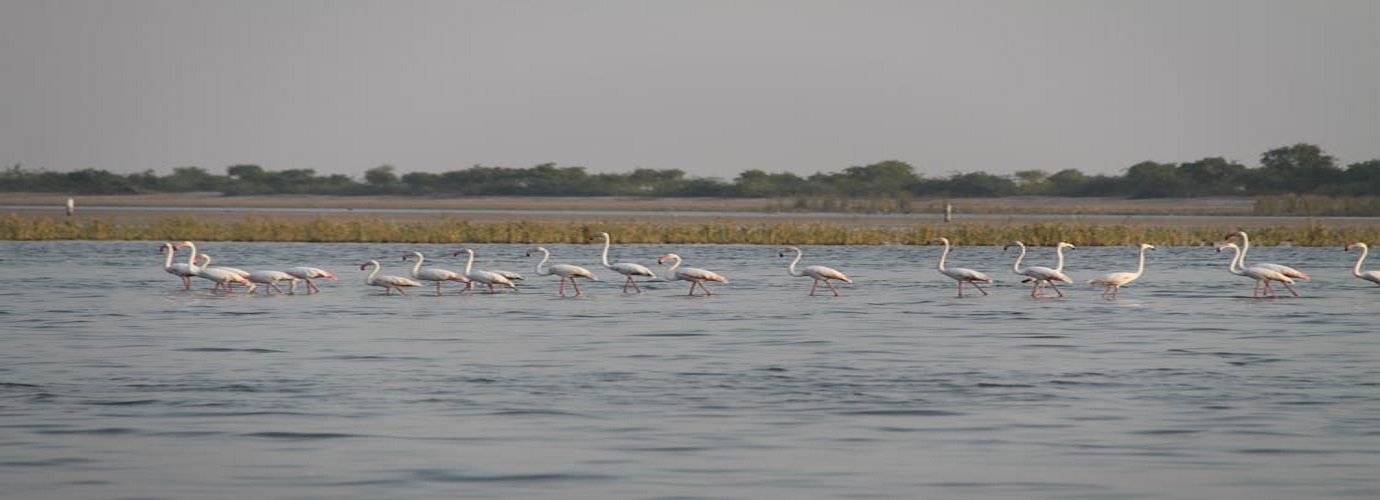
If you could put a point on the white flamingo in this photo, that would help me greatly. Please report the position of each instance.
(271, 279)
(567, 272)
(1371, 276)
(306, 274)
(221, 276)
(388, 282)
(179, 269)
(817, 273)
(1261, 275)
(433, 274)
(488, 278)
(1114, 281)
(960, 274)
(1246, 248)
(627, 269)
(1039, 274)
(694, 275)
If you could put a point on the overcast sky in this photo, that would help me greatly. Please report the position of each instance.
(710, 87)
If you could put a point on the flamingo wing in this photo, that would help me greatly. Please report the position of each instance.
(965, 274)
(571, 271)
(697, 274)
(1372, 276)
(630, 269)
(826, 273)
(1114, 279)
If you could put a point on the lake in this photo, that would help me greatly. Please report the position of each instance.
(117, 384)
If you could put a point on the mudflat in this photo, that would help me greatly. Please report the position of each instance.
(1189, 212)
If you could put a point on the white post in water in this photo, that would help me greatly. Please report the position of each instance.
(948, 212)
(71, 206)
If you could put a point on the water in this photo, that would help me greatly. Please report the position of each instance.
(115, 383)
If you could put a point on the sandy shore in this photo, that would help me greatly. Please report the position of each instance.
(1197, 212)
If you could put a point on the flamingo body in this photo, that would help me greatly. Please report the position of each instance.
(960, 274)
(1114, 281)
(271, 279)
(694, 275)
(389, 283)
(816, 273)
(307, 274)
(627, 269)
(567, 272)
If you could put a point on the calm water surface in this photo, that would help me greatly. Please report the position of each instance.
(115, 383)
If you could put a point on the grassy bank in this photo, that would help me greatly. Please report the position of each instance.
(455, 230)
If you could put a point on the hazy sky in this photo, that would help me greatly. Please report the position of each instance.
(710, 87)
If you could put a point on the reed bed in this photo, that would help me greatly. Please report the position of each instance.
(455, 230)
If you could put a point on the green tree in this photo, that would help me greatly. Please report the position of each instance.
(1148, 179)
(1301, 168)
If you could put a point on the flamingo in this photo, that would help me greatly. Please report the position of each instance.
(960, 274)
(818, 273)
(489, 278)
(271, 278)
(1257, 273)
(1246, 247)
(389, 283)
(434, 274)
(1041, 273)
(306, 274)
(627, 269)
(694, 275)
(567, 272)
(179, 269)
(1114, 281)
(219, 275)
(1371, 276)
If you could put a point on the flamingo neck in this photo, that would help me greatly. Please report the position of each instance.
(545, 255)
(167, 262)
(671, 271)
(1245, 247)
(418, 266)
(1059, 263)
(1016, 267)
(191, 259)
(1234, 266)
(370, 278)
(943, 255)
(1357, 270)
(1140, 267)
(791, 269)
(470, 261)
(605, 255)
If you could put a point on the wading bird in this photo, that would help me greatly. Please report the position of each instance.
(694, 275)
(960, 274)
(627, 269)
(817, 273)
(1371, 276)
(388, 282)
(567, 272)
(1114, 281)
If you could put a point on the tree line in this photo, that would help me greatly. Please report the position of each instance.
(1302, 169)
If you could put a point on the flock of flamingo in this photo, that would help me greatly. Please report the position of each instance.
(198, 265)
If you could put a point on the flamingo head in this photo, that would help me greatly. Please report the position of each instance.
(165, 247)
(1065, 244)
(782, 252)
(366, 265)
(942, 240)
(1225, 246)
(180, 245)
(462, 250)
(664, 258)
(410, 254)
(1237, 234)
(1147, 246)
(1360, 245)
(533, 250)
(600, 234)
(1013, 244)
